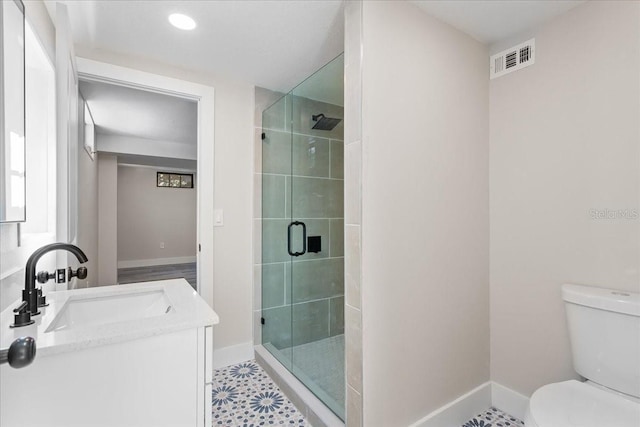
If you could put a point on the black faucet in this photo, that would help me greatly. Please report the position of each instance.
(30, 294)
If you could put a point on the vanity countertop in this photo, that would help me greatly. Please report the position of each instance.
(188, 310)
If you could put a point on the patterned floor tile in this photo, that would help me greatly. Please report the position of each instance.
(244, 395)
(493, 417)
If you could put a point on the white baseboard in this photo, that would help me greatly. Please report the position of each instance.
(460, 410)
(509, 401)
(233, 354)
(156, 261)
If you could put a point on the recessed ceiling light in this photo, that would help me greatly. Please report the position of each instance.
(181, 21)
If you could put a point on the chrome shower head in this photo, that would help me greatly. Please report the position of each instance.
(324, 123)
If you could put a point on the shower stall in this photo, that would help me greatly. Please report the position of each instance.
(302, 233)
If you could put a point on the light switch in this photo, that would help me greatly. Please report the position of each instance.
(218, 218)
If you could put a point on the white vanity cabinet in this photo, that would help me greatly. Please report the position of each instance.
(139, 376)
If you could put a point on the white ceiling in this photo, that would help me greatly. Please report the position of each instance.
(490, 21)
(119, 110)
(273, 44)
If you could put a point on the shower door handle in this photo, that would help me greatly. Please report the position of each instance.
(304, 238)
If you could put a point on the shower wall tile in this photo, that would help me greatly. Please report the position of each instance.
(317, 198)
(276, 152)
(353, 344)
(274, 240)
(310, 156)
(353, 212)
(304, 108)
(336, 316)
(352, 183)
(354, 408)
(274, 117)
(337, 159)
(274, 234)
(277, 326)
(310, 322)
(273, 285)
(317, 279)
(352, 265)
(263, 99)
(336, 244)
(273, 196)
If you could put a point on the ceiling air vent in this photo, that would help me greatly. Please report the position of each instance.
(513, 59)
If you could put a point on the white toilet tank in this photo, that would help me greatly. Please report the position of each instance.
(604, 328)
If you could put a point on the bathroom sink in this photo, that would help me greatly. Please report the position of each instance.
(85, 311)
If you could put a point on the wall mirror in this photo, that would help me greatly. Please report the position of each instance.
(12, 114)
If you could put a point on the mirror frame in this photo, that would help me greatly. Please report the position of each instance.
(20, 5)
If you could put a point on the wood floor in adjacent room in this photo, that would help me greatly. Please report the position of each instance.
(158, 272)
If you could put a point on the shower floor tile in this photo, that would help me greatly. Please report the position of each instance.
(244, 395)
(322, 362)
(494, 417)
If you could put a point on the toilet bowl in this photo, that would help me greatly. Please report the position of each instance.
(605, 343)
(580, 404)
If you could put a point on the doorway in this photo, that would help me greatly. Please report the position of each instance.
(140, 151)
(185, 167)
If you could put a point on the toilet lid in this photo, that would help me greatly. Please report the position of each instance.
(576, 404)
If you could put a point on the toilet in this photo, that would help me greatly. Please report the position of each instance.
(604, 328)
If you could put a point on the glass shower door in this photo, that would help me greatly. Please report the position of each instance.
(317, 197)
(276, 220)
(303, 256)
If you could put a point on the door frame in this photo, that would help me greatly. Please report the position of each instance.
(90, 70)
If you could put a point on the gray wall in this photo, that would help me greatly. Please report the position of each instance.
(564, 140)
(107, 219)
(313, 282)
(149, 215)
(425, 213)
